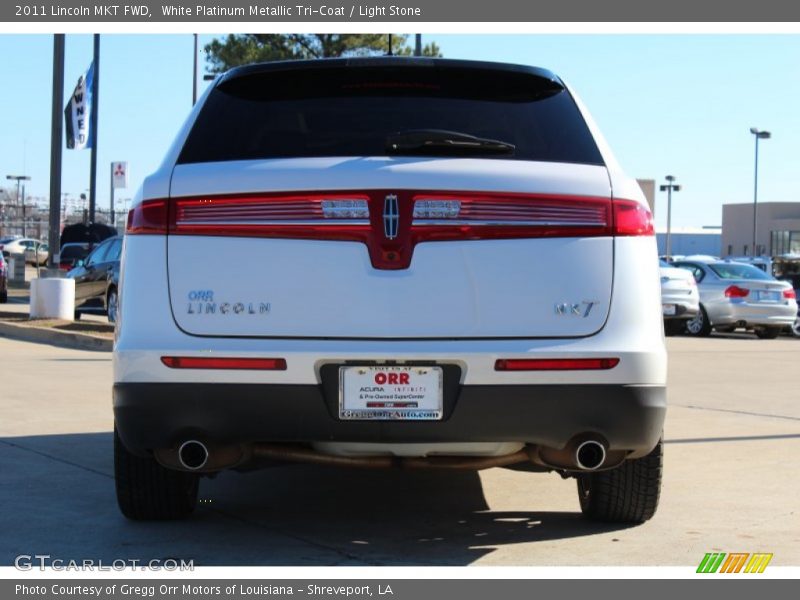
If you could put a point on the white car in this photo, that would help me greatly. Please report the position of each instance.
(389, 262)
(33, 250)
(680, 299)
(13, 245)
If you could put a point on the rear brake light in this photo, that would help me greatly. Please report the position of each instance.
(555, 364)
(632, 218)
(148, 217)
(789, 294)
(204, 362)
(734, 291)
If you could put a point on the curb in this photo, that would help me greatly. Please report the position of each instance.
(54, 337)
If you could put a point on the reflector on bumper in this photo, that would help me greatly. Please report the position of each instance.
(203, 362)
(555, 364)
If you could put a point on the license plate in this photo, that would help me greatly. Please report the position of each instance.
(669, 309)
(764, 296)
(390, 393)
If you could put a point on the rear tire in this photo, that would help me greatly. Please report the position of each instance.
(146, 491)
(626, 494)
(767, 333)
(795, 328)
(699, 326)
(112, 305)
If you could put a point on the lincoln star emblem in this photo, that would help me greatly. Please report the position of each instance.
(391, 217)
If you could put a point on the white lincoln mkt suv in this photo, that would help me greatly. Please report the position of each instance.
(389, 262)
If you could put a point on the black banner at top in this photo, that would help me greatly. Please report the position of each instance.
(410, 11)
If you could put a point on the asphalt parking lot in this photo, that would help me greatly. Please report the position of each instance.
(731, 485)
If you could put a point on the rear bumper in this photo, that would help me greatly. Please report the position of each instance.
(730, 313)
(162, 415)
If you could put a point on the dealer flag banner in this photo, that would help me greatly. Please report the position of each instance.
(78, 112)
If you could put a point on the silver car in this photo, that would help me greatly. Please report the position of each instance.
(680, 299)
(734, 295)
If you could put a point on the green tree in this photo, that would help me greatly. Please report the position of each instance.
(242, 49)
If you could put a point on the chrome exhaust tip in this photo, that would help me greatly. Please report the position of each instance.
(590, 455)
(193, 455)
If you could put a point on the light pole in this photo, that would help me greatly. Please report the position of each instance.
(19, 179)
(84, 209)
(759, 135)
(669, 188)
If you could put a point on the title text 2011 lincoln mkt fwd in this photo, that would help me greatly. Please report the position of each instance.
(392, 262)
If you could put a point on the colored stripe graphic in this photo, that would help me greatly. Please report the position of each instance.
(758, 562)
(716, 561)
(711, 562)
(734, 562)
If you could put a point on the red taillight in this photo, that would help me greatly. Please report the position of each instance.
(149, 217)
(203, 362)
(789, 294)
(420, 216)
(734, 291)
(632, 218)
(555, 364)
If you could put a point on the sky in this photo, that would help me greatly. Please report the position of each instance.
(668, 104)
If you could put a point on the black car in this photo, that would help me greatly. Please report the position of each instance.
(3, 279)
(97, 280)
(71, 253)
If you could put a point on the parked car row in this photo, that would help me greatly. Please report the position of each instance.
(89, 256)
(732, 295)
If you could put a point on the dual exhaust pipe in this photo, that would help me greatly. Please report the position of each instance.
(588, 455)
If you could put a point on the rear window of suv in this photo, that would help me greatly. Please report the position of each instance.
(350, 111)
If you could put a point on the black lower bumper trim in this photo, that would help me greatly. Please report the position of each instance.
(161, 415)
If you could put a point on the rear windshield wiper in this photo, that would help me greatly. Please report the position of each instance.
(441, 142)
